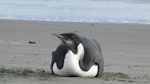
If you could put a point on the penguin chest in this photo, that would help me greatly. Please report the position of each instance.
(71, 67)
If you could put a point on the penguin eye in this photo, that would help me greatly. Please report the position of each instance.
(72, 38)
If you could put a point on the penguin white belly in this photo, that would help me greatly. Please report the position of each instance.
(71, 67)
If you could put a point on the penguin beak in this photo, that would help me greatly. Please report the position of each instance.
(58, 35)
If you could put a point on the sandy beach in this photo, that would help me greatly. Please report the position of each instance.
(126, 50)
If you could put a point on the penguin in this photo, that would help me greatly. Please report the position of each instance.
(77, 56)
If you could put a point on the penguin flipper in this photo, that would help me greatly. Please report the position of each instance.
(59, 55)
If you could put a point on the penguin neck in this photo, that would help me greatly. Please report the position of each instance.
(73, 49)
(80, 52)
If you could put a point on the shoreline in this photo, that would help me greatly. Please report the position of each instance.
(125, 49)
(71, 22)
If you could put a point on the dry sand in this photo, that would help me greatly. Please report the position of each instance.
(126, 49)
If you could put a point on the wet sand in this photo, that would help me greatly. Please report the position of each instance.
(126, 49)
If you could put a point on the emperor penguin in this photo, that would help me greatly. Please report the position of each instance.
(77, 56)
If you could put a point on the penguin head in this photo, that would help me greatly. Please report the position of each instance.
(71, 40)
